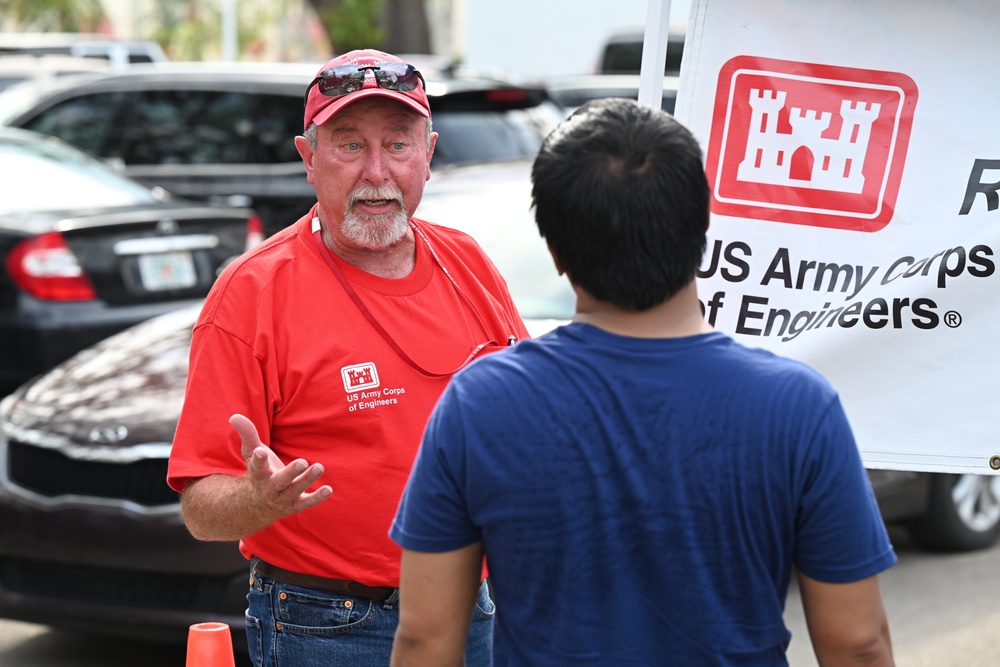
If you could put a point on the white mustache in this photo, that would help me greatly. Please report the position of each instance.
(373, 193)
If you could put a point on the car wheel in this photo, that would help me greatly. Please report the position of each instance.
(963, 513)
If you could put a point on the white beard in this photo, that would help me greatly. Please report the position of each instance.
(375, 232)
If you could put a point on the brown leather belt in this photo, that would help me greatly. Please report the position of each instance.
(342, 586)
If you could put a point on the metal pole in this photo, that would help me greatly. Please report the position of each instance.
(229, 39)
(654, 53)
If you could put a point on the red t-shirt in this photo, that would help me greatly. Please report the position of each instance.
(280, 341)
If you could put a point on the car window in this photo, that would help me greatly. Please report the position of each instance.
(480, 136)
(625, 57)
(171, 127)
(279, 120)
(204, 127)
(571, 98)
(85, 121)
(53, 178)
(188, 127)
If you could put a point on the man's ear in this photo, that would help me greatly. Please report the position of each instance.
(430, 153)
(306, 152)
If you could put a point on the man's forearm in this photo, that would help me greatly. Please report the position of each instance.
(847, 623)
(224, 508)
(877, 655)
(437, 593)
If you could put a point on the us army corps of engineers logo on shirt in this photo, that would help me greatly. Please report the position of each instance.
(809, 144)
(364, 390)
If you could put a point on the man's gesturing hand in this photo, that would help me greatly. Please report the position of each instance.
(282, 487)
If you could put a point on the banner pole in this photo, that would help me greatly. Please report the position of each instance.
(654, 53)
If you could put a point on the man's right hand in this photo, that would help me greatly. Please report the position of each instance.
(282, 487)
(229, 508)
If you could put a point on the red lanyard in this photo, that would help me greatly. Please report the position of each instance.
(327, 257)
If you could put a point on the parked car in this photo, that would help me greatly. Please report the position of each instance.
(18, 69)
(117, 53)
(941, 512)
(91, 537)
(570, 92)
(87, 252)
(224, 132)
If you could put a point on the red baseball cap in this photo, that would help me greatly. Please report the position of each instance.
(321, 108)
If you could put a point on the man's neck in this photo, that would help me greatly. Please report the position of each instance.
(676, 317)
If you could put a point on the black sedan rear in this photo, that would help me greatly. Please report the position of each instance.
(87, 252)
(91, 536)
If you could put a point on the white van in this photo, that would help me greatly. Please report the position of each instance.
(119, 53)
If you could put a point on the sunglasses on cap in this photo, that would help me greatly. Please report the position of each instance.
(346, 79)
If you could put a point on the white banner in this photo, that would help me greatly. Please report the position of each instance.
(853, 151)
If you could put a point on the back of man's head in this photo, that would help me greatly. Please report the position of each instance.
(621, 197)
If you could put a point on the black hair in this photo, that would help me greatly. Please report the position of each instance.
(620, 195)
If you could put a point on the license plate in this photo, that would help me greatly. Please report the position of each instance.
(167, 270)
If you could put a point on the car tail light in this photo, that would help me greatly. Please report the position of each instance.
(255, 231)
(507, 95)
(45, 267)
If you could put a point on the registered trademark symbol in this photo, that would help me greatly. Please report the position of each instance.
(952, 319)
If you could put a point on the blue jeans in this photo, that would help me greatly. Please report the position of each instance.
(292, 626)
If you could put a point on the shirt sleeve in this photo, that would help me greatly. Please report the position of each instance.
(204, 442)
(433, 515)
(840, 534)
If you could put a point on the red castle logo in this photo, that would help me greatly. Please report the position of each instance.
(359, 376)
(809, 144)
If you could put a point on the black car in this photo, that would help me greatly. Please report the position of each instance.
(570, 92)
(224, 132)
(87, 252)
(90, 535)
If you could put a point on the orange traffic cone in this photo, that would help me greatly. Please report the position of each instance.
(210, 645)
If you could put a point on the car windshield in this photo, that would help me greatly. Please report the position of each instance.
(484, 135)
(624, 55)
(49, 176)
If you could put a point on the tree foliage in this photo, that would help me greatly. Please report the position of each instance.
(54, 15)
(189, 30)
(396, 26)
(351, 24)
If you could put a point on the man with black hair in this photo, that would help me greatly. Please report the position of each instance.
(643, 487)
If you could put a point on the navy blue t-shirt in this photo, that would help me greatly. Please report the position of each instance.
(643, 501)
